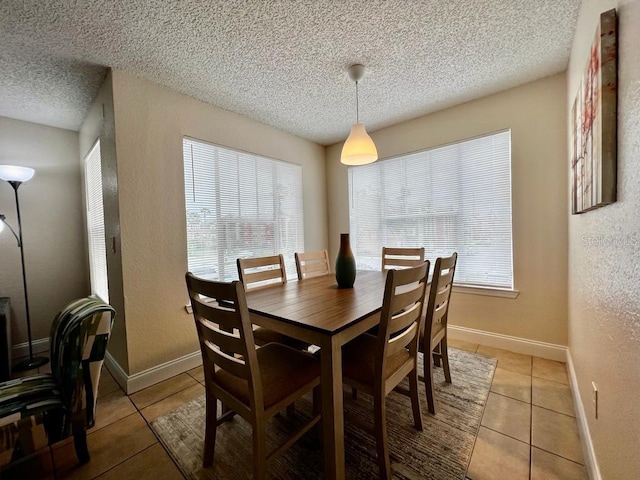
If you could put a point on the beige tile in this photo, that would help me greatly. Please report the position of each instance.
(111, 408)
(162, 390)
(550, 370)
(151, 464)
(462, 345)
(498, 456)
(197, 373)
(547, 466)
(108, 447)
(516, 362)
(512, 384)
(552, 396)
(172, 402)
(508, 416)
(107, 384)
(556, 433)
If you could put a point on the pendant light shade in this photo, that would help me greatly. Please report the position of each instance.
(359, 148)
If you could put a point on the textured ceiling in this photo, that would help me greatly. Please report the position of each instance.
(281, 62)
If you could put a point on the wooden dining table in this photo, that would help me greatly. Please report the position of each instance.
(316, 311)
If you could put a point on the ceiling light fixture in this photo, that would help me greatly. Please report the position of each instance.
(358, 149)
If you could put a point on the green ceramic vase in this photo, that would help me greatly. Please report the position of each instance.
(345, 263)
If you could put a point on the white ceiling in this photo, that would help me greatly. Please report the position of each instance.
(281, 62)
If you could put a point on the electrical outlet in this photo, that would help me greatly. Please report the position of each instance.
(595, 398)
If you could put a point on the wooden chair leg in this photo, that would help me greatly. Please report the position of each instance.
(259, 450)
(415, 400)
(428, 383)
(436, 355)
(211, 426)
(444, 354)
(380, 417)
(80, 442)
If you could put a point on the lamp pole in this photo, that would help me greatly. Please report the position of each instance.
(32, 362)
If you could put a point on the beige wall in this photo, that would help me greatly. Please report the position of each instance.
(53, 232)
(604, 285)
(536, 114)
(150, 124)
(100, 123)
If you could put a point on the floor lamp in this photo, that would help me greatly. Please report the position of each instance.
(16, 176)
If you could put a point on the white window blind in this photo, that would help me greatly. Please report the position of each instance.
(95, 224)
(455, 198)
(239, 205)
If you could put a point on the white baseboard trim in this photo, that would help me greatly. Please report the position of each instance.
(153, 375)
(22, 349)
(550, 351)
(591, 462)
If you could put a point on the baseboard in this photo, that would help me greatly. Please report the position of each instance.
(22, 349)
(116, 371)
(591, 462)
(153, 375)
(550, 351)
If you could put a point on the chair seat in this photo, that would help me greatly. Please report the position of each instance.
(28, 396)
(283, 370)
(358, 360)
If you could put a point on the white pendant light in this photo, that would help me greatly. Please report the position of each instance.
(358, 149)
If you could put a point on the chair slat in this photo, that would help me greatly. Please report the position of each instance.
(312, 264)
(252, 271)
(402, 257)
(233, 365)
(402, 340)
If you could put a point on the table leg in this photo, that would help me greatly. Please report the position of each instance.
(332, 409)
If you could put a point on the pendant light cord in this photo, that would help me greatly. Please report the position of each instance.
(357, 106)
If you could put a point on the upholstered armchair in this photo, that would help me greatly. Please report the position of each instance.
(39, 410)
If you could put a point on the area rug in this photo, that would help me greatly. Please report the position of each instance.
(441, 451)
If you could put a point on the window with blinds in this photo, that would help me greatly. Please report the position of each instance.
(455, 198)
(239, 205)
(95, 223)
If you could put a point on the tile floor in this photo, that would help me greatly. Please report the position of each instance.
(528, 430)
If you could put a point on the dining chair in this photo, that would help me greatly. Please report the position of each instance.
(377, 364)
(433, 342)
(401, 257)
(39, 410)
(264, 272)
(254, 383)
(312, 264)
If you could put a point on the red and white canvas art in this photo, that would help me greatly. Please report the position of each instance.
(594, 115)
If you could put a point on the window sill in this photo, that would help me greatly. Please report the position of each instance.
(486, 291)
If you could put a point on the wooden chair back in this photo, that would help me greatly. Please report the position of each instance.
(312, 264)
(226, 337)
(261, 272)
(434, 338)
(402, 257)
(440, 293)
(401, 317)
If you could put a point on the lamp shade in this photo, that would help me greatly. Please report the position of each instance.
(11, 173)
(358, 149)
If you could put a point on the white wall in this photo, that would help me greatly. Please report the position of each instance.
(53, 230)
(604, 277)
(536, 115)
(150, 124)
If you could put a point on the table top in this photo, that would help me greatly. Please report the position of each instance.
(318, 304)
